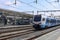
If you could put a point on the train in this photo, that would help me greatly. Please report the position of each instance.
(19, 21)
(42, 22)
(22, 22)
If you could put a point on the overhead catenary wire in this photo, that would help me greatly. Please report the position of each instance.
(24, 3)
(29, 5)
(50, 3)
(43, 6)
(21, 2)
(11, 6)
(38, 4)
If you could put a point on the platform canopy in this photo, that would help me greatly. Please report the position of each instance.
(15, 13)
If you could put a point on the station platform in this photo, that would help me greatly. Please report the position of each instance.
(54, 35)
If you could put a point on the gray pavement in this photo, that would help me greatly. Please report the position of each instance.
(54, 35)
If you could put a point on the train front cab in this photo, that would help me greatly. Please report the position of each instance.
(37, 22)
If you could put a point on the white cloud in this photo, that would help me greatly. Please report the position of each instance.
(12, 8)
(1, 5)
(8, 3)
(18, 3)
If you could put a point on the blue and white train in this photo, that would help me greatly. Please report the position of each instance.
(40, 22)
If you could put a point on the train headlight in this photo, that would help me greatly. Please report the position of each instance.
(36, 22)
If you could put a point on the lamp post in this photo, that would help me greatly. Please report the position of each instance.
(15, 13)
(15, 2)
(36, 1)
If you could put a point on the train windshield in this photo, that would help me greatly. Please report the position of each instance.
(37, 18)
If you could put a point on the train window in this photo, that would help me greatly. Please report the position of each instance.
(37, 18)
(43, 19)
(48, 21)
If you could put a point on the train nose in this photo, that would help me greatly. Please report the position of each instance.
(37, 26)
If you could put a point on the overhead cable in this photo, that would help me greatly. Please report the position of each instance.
(50, 3)
(29, 5)
(10, 6)
(39, 4)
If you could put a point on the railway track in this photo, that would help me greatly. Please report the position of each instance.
(34, 35)
(43, 32)
(12, 29)
(25, 33)
(10, 32)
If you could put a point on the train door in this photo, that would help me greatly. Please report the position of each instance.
(43, 21)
